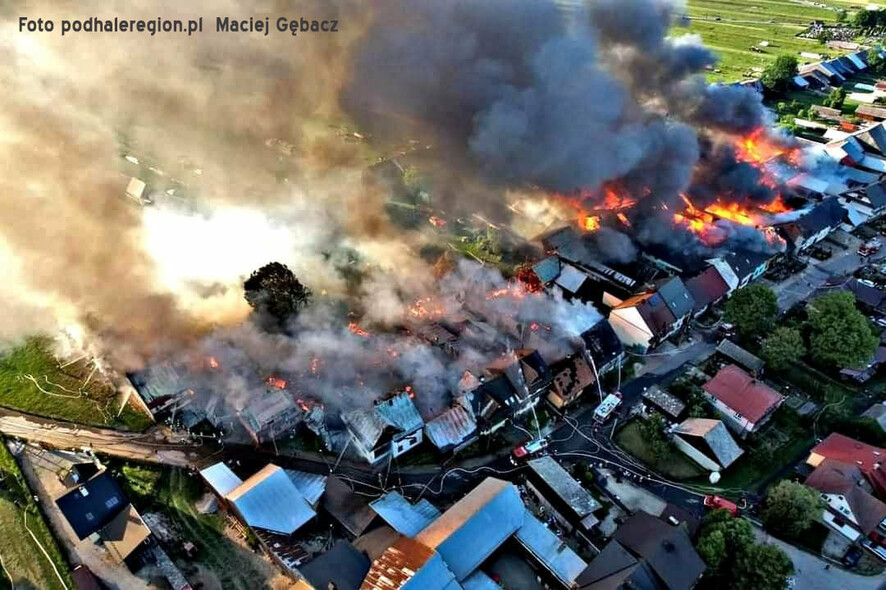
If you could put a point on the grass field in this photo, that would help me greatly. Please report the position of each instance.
(31, 381)
(21, 557)
(745, 23)
(173, 492)
(675, 466)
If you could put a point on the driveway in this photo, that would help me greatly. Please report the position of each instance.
(811, 573)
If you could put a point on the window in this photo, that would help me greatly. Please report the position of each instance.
(111, 502)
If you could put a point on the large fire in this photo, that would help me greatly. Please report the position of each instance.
(426, 308)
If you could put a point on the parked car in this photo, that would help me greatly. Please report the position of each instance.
(530, 448)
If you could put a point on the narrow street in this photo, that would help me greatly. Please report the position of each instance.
(810, 572)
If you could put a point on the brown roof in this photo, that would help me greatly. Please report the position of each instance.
(397, 565)
(845, 479)
(125, 533)
(574, 375)
(742, 393)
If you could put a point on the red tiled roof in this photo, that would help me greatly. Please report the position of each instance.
(848, 450)
(742, 393)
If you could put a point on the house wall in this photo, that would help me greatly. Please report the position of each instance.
(630, 327)
(695, 454)
(406, 442)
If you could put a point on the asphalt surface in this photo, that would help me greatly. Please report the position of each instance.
(810, 572)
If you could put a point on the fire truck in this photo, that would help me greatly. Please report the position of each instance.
(872, 246)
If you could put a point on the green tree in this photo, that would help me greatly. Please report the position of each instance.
(274, 290)
(782, 347)
(761, 567)
(841, 15)
(752, 310)
(790, 509)
(839, 335)
(720, 539)
(777, 75)
(653, 430)
(835, 98)
(735, 560)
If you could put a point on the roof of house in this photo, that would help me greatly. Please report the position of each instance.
(667, 549)
(262, 410)
(547, 269)
(571, 278)
(654, 311)
(827, 213)
(745, 262)
(270, 500)
(876, 194)
(525, 369)
(571, 376)
(873, 137)
(707, 287)
(93, 504)
(310, 485)
(347, 508)
(220, 478)
(343, 566)
(400, 412)
(479, 581)
(555, 555)
(846, 479)
(602, 343)
(123, 535)
(676, 297)
(742, 393)
(877, 412)
(664, 401)
(716, 435)
(614, 568)
(871, 111)
(848, 450)
(741, 356)
(864, 293)
(404, 517)
(367, 425)
(467, 533)
(409, 565)
(451, 428)
(564, 485)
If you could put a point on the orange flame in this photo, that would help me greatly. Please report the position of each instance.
(276, 383)
(355, 328)
(212, 362)
(426, 308)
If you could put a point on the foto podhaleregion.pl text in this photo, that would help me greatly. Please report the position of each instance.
(260, 26)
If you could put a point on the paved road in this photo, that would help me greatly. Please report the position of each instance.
(811, 573)
(801, 285)
(150, 446)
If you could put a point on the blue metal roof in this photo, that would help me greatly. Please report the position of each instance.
(549, 550)
(310, 485)
(221, 479)
(466, 534)
(547, 269)
(270, 500)
(405, 518)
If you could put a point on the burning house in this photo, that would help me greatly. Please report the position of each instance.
(269, 415)
(388, 429)
(509, 387)
(643, 321)
(813, 226)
